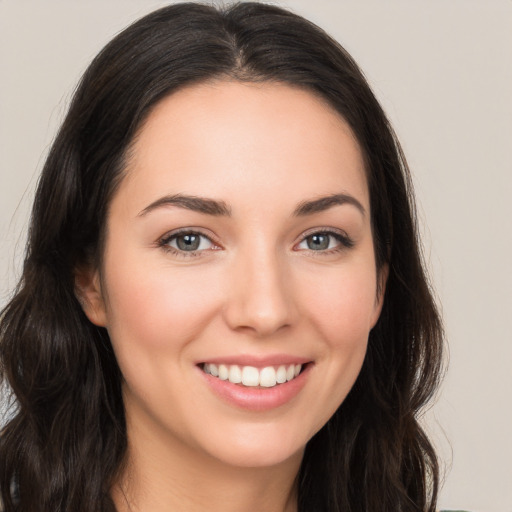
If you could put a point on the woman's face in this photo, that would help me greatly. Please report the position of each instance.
(238, 246)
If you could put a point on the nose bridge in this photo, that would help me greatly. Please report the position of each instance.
(259, 299)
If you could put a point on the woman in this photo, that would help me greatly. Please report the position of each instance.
(223, 302)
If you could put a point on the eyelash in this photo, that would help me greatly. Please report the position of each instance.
(344, 240)
(166, 239)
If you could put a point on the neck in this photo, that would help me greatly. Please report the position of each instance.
(161, 475)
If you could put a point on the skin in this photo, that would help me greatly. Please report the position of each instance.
(258, 288)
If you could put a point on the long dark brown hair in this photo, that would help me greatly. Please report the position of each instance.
(65, 441)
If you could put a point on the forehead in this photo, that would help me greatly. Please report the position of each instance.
(251, 141)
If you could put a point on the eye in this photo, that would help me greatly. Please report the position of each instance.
(184, 242)
(330, 241)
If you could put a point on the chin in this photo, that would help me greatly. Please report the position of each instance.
(258, 447)
(259, 458)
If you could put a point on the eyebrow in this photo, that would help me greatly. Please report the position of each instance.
(324, 203)
(194, 203)
(220, 208)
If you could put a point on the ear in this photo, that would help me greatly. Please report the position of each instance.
(89, 294)
(382, 279)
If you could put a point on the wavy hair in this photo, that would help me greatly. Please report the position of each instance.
(65, 443)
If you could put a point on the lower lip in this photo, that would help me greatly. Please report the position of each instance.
(257, 398)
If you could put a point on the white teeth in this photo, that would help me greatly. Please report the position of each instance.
(281, 374)
(250, 376)
(214, 370)
(223, 372)
(268, 377)
(235, 374)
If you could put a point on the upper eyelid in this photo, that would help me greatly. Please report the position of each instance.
(341, 235)
(164, 242)
(185, 231)
(193, 230)
(326, 230)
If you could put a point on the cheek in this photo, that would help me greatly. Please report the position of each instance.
(340, 311)
(154, 307)
(343, 308)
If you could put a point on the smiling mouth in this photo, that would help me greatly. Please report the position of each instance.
(250, 376)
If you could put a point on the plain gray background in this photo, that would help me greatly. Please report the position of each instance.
(443, 71)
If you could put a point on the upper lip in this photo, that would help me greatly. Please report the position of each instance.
(258, 361)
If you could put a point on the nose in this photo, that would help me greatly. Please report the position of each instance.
(260, 299)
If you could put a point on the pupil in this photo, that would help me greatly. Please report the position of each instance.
(316, 242)
(188, 242)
